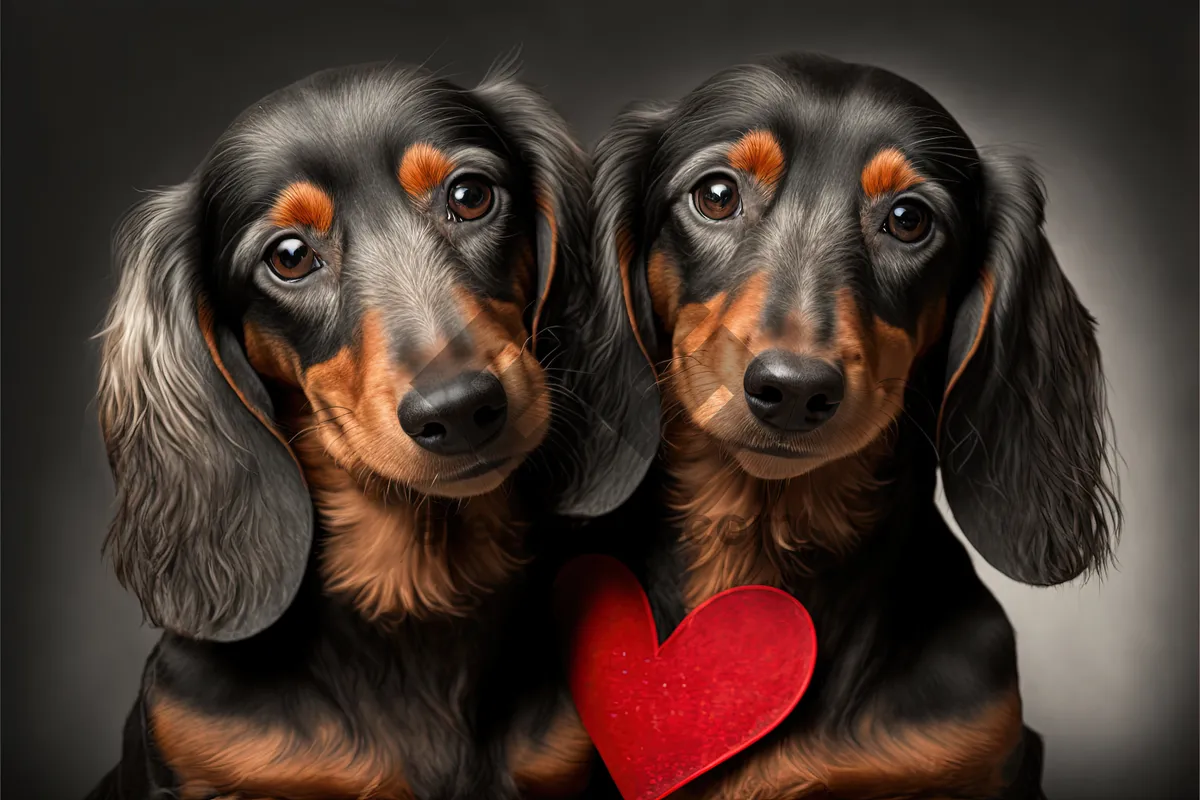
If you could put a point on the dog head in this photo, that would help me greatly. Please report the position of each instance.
(806, 245)
(380, 243)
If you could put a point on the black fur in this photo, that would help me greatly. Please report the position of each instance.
(614, 434)
(907, 634)
(1024, 441)
(215, 530)
(193, 468)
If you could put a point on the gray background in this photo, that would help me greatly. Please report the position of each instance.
(99, 104)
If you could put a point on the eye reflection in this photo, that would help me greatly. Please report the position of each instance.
(468, 199)
(909, 221)
(717, 197)
(292, 259)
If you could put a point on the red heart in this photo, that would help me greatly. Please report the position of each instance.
(661, 716)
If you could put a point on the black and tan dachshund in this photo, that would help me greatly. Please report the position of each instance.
(841, 295)
(318, 384)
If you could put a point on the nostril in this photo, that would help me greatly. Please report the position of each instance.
(487, 416)
(791, 392)
(432, 430)
(769, 394)
(820, 403)
(457, 416)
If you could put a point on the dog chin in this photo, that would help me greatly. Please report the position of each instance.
(474, 485)
(774, 468)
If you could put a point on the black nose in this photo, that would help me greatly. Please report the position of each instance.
(455, 417)
(791, 392)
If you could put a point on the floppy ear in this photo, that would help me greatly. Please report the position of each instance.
(614, 368)
(1023, 431)
(213, 522)
(560, 177)
(622, 220)
(579, 328)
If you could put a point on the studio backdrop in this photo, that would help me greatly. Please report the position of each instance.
(102, 101)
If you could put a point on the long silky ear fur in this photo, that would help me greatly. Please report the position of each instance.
(560, 172)
(606, 407)
(213, 521)
(619, 198)
(1024, 437)
(613, 367)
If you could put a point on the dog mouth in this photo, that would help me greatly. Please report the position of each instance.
(480, 467)
(776, 451)
(476, 478)
(772, 459)
(776, 448)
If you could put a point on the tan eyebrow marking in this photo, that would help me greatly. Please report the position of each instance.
(888, 171)
(759, 153)
(423, 168)
(303, 203)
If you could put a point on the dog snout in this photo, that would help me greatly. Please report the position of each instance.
(456, 416)
(791, 392)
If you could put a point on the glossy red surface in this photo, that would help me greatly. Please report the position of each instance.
(661, 716)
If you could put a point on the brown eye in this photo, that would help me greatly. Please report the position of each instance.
(469, 199)
(909, 221)
(717, 197)
(292, 259)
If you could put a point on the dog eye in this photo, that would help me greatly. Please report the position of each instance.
(717, 197)
(292, 259)
(909, 221)
(468, 199)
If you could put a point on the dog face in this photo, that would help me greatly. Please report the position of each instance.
(385, 246)
(800, 266)
(376, 241)
(801, 242)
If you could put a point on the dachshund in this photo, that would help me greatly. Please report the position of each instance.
(328, 354)
(835, 294)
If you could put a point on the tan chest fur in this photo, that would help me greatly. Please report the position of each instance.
(738, 530)
(235, 758)
(948, 758)
(392, 559)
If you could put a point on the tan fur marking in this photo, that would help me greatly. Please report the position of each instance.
(396, 556)
(741, 530)
(212, 754)
(392, 550)
(558, 764)
(889, 171)
(759, 154)
(663, 280)
(881, 373)
(422, 169)
(624, 264)
(712, 344)
(303, 204)
(498, 330)
(716, 335)
(507, 315)
(696, 323)
(522, 271)
(353, 398)
(204, 318)
(547, 211)
(822, 501)
(931, 324)
(989, 296)
(965, 757)
(715, 342)
(271, 355)
(744, 314)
